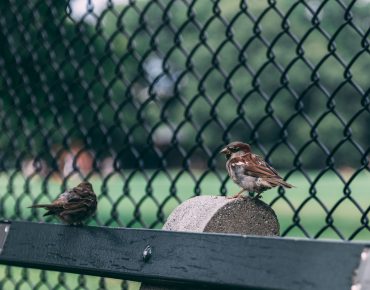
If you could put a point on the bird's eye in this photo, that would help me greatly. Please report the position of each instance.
(234, 149)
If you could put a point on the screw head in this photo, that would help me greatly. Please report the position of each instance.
(147, 253)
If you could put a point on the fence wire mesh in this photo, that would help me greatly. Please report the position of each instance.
(139, 96)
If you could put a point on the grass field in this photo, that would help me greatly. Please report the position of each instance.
(346, 218)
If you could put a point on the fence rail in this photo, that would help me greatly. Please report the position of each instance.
(190, 259)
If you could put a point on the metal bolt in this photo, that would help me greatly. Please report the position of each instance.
(147, 253)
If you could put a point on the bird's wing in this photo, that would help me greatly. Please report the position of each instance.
(255, 166)
(73, 205)
(79, 202)
(74, 211)
(85, 198)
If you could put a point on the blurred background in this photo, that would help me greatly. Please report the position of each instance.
(138, 97)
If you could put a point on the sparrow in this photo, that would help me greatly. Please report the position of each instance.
(250, 171)
(73, 206)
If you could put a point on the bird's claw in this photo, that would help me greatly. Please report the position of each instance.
(235, 196)
(258, 196)
(77, 224)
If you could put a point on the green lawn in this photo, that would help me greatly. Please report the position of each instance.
(329, 190)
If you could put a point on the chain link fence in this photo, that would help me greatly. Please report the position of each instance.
(138, 97)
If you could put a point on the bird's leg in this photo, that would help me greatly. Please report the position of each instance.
(258, 195)
(236, 195)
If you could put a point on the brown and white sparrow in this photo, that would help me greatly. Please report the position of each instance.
(73, 206)
(250, 171)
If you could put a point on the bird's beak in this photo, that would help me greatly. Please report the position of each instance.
(224, 151)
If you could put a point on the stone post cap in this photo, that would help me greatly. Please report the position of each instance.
(219, 214)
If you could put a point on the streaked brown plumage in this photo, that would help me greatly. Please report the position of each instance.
(250, 171)
(74, 206)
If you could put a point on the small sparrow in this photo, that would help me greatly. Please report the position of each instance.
(73, 206)
(250, 171)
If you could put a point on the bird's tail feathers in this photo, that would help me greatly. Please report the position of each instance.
(49, 212)
(39, 206)
(285, 184)
(49, 207)
(280, 182)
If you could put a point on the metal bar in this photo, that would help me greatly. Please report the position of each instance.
(4, 230)
(362, 274)
(183, 258)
